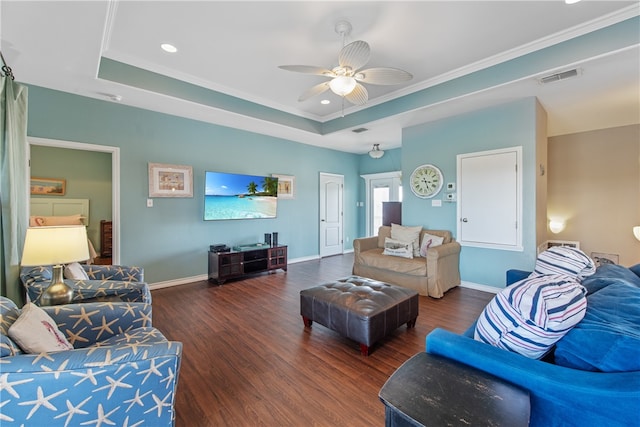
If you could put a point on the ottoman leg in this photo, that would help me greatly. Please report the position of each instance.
(411, 323)
(307, 321)
(364, 349)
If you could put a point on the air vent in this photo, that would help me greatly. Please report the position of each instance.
(359, 130)
(560, 76)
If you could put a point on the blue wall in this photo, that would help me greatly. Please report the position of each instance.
(171, 239)
(438, 143)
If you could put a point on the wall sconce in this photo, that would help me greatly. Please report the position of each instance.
(556, 226)
(636, 231)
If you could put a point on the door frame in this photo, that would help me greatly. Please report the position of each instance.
(395, 176)
(115, 179)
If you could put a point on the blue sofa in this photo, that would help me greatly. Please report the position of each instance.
(121, 371)
(599, 382)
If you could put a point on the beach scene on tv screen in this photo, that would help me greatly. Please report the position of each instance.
(236, 196)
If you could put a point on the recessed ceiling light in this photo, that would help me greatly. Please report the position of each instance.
(571, 1)
(168, 48)
(325, 102)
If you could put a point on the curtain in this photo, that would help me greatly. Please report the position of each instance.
(14, 182)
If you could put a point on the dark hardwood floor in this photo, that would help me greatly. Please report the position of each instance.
(249, 361)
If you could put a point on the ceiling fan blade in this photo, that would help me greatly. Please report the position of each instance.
(354, 55)
(358, 95)
(308, 69)
(316, 90)
(383, 76)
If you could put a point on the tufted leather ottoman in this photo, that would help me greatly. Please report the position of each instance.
(362, 309)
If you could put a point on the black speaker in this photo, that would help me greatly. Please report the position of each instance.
(267, 239)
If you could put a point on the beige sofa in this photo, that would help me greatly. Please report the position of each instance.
(432, 275)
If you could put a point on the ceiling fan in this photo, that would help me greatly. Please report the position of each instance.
(347, 77)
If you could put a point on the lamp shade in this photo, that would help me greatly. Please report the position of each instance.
(55, 245)
(636, 231)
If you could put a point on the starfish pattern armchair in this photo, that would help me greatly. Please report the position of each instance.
(121, 371)
(106, 282)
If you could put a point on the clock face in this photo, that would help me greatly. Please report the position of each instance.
(426, 181)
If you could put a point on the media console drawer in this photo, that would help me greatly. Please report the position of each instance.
(238, 263)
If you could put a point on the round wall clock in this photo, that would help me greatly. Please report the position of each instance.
(426, 181)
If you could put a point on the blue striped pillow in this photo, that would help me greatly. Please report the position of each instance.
(530, 316)
(564, 260)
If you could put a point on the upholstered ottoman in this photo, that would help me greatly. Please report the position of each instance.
(362, 309)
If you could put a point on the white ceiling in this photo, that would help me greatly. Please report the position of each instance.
(235, 48)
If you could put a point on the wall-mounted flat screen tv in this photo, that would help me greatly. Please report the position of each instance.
(235, 196)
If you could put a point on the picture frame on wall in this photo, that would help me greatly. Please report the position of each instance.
(167, 180)
(48, 186)
(286, 186)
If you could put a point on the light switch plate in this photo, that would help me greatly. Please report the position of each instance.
(149, 203)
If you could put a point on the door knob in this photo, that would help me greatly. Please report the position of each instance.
(464, 220)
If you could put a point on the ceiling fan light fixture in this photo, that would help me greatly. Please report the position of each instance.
(342, 85)
(376, 152)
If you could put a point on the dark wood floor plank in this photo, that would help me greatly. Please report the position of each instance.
(249, 361)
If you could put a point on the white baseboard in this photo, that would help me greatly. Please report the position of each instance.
(177, 282)
(479, 287)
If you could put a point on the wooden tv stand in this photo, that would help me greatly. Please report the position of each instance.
(244, 260)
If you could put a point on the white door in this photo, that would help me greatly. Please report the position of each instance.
(489, 199)
(331, 191)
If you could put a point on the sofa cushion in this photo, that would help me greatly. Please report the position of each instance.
(9, 313)
(75, 271)
(398, 248)
(608, 338)
(608, 274)
(407, 234)
(429, 241)
(375, 258)
(36, 332)
(635, 269)
(531, 315)
(564, 260)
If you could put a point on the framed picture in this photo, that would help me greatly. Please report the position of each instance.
(285, 186)
(48, 186)
(170, 180)
(600, 258)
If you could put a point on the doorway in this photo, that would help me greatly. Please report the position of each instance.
(115, 180)
(331, 215)
(380, 187)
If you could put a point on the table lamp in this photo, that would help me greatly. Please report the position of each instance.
(55, 246)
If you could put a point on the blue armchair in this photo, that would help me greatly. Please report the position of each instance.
(122, 371)
(106, 282)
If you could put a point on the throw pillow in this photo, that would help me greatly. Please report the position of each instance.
(75, 271)
(36, 332)
(564, 260)
(407, 234)
(398, 248)
(608, 338)
(40, 221)
(530, 316)
(429, 241)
